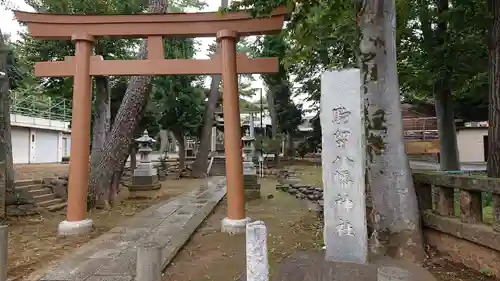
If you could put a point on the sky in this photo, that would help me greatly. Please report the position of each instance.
(10, 25)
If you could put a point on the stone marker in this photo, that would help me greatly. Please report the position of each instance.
(256, 252)
(149, 263)
(343, 161)
(345, 232)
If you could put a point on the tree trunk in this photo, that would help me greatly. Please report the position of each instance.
(274, 126)
(179, 136)
(448, 149)
(102, 117)
(7, 193)
(493, 164)
(201, 162)
(171, 143)
(397, 231)
(290, 146)
(7, 186)
(116, 146)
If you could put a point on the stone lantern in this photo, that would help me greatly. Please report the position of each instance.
(145, 142)
(251, 185)
(145, 175)
(248, 147)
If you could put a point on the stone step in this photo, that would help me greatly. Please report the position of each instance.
(56, 207)
(50, 202)
(41, 191)
(44, 197)
(29, 187)
(21, 183)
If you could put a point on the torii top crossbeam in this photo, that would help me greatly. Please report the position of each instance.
(153, 27)
(53, 26)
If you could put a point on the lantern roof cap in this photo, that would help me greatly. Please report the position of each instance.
(247, 137)
(145, 138)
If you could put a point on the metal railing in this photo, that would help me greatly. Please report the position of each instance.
(39, 106)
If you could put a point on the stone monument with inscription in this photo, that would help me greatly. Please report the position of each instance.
(345, 257)
(343, 162)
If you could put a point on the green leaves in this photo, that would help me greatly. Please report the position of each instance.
(321, 34)
(178, 101)
(427, 56)
(278, 85)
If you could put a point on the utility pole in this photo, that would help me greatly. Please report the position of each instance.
(261, 124)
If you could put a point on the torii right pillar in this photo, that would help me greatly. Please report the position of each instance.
(236, 221)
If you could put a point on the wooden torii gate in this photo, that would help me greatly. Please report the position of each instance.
(83, 29)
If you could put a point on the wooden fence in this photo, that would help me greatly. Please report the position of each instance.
(461, 217)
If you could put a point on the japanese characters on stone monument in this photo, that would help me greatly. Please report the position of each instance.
(343, 157)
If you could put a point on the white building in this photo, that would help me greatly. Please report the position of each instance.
(39, 135)
(472, 141)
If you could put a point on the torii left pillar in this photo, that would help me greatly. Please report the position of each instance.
(76, 218)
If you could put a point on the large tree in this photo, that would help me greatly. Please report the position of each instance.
(396, 220)
(445, 44)
(181, 105)
(286, 116)
(322, 34)
(6, 161)
(494, 92)
(117, 146)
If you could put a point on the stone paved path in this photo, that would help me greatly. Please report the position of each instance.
(112, 256)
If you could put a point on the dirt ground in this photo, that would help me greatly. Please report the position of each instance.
(33, 241)
(39, 171)
(209, 255)
(212, 255)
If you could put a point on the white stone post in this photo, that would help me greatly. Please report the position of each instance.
(343, 162)
(256, 251)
